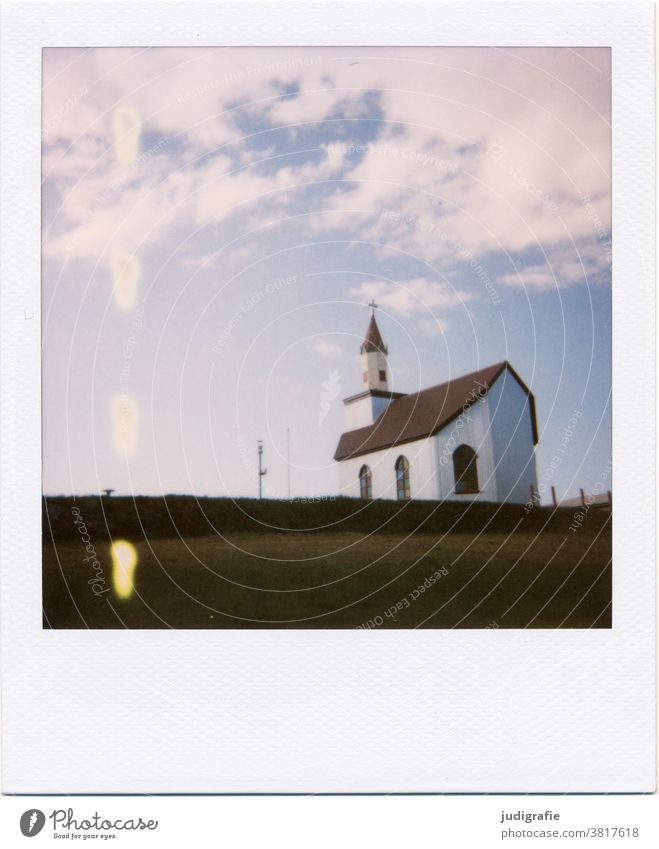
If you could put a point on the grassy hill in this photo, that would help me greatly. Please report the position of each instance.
(331, 563)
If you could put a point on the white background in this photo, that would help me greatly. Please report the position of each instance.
(152, 712)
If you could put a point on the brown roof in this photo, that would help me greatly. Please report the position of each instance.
(424, 413)
(373, 339)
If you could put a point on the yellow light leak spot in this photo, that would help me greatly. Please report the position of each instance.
(127, 130)
(126, 274)
(125, 421)
(124, 561)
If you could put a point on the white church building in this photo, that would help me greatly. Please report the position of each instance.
(472, 438)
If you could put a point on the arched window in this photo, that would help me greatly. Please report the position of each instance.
(365, 483)
(465, 470)
(402, 478)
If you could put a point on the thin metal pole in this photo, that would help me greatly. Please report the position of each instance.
(288, 461)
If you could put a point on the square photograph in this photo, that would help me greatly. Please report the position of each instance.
(326, 338)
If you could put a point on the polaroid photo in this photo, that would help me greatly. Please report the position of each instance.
(325, 345)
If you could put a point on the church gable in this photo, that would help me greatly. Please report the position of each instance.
(513, 435)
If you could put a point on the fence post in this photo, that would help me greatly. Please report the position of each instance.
(553, 496)
(608, 492)
(583, 498)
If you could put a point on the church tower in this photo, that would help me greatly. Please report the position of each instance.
(374, 357)
(373, 399)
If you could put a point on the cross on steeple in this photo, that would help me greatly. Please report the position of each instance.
(373, 306)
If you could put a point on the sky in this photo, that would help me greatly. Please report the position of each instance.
(216, 221)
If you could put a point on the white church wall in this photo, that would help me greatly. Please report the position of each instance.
(358, 413)
(364, 411)
(472, 427)
(422, 457)
(512, 439)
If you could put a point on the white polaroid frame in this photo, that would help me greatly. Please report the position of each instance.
(330, 711)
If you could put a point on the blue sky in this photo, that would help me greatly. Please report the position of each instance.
(216, 220)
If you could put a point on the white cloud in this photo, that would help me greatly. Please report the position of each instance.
(477, 150)
(434, 326)
(412, 297)
(327, 349)
(569, 265)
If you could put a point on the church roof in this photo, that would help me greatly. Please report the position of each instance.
(422, 414)
(373, 339)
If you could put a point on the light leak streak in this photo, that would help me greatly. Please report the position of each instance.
(127, 130)
(124, 561)
(126, 276)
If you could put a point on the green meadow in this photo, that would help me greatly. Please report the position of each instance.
(331, 563)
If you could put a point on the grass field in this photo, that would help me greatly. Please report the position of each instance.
(217, 564)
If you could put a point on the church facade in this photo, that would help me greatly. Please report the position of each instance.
(472, 438)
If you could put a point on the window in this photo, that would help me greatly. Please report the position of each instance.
(465, 470)
(402, 478)
(383, 376)
(365, 483)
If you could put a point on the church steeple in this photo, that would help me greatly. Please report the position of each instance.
(375, 396)
(374, 356)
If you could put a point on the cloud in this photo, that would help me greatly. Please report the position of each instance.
(567, 266)
(412, 297)
(501, 165)
(439, 153)
(327, 349)
(434, 326)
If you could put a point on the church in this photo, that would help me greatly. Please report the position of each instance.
(472, 438)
